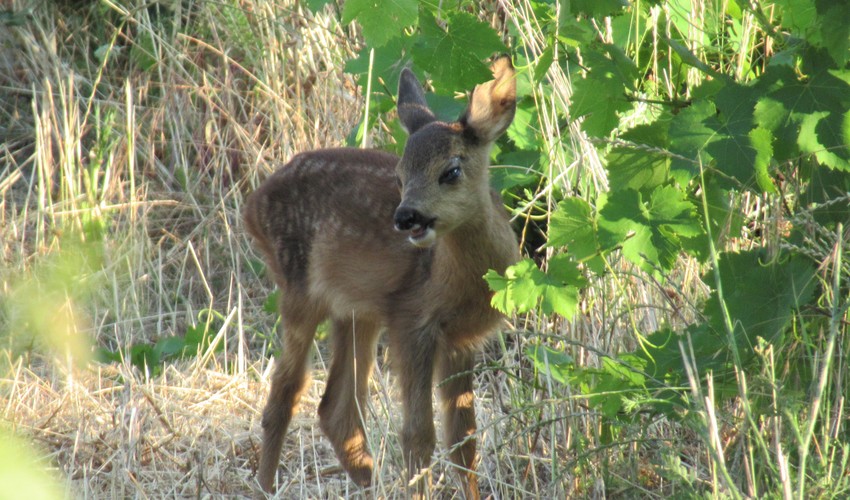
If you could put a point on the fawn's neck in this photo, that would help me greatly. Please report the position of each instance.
(464, 255)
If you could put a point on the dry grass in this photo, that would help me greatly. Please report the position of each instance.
(149, 162)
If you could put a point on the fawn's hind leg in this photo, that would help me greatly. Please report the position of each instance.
(344, 402)
(289, 380)
(455, 380)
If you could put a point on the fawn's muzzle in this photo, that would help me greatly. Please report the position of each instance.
(421, 227)
(407, 219)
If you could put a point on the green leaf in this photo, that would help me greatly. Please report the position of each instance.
(825, 197)
(559, 287)
(542, 64)
(573, 226)
(638, 169)
(381, 20)
(317, 5)
(600, 96)
(645, 166)
(572, 32)
(511, 294)
(143, 357)
(798, 16)
(662, 357)
(524, 286)
(649, 230)
(762, 141)
(688, 57)
(524, 129)
(555, 364)
(597, 8)
(453, 55)
(669, 208)
(808, 111)
(387, 63)
(169, 346)
(835, 31)
(717, 134)
(506, 178)
(820, 129)
(502, 299)
(760, 295)
(724, 216)
(104, 355)
(616, 380)
(199, 337)
(529, 160)
(821, 23)
(447, 106)
(196, 334)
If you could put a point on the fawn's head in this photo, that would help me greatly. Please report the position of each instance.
(443, 171)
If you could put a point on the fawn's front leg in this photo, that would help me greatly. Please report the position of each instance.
(413, 359)
(455, 379)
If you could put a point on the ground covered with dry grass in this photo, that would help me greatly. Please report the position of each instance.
(137, 327)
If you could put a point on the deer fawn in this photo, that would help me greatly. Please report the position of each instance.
(369, 240)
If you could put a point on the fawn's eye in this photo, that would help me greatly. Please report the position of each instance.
(451, 174)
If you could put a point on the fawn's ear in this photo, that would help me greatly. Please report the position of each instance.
(413, 111)
(493, 104)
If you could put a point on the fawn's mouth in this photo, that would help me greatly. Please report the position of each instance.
(423, 236)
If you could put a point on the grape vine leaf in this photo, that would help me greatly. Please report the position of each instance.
(725, 218)
(762, 142)
(524, 286)
(649, 228)
(835, 31)
(558, 365)
(601, 95)
(524, 129)
(663, 367)
(381, 20)
(826, 198)
(573, 226)
(821, 23)
(825, 134)
(646, 165)
(760, 294)
(387, 63)
(811, 110)
(798, 16)
(543, 63)
(505, 178)
(597, 8)
(717, 134)
(453, 55)
(316, 5)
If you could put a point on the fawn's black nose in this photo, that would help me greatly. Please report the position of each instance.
(406, 218)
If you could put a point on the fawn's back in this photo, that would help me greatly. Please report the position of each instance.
(324, 223)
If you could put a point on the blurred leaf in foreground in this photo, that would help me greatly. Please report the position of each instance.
(21, 474)
(41, 308)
